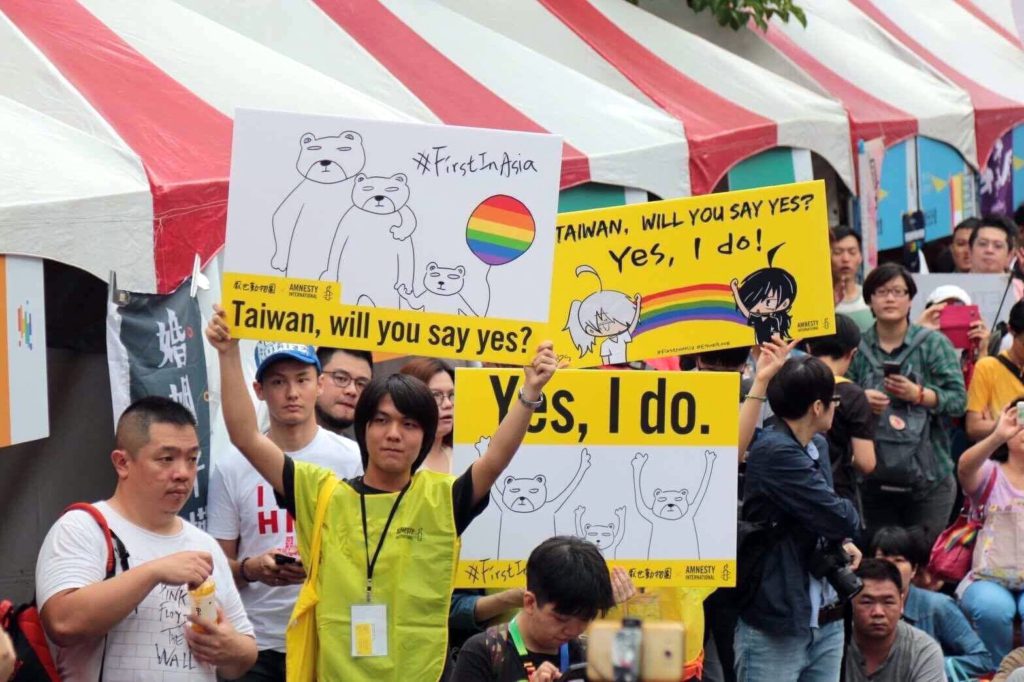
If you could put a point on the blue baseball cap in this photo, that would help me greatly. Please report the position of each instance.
(268, 353)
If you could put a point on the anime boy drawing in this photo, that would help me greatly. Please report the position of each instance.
(765, 298)
(608, 315)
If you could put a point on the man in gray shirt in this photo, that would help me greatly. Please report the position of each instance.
(884, 648)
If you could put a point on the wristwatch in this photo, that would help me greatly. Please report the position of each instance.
(531, 404)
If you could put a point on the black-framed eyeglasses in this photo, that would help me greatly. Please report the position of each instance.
(343, 379)
(439, 397)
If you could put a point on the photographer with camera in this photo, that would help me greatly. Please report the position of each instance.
(791, 628)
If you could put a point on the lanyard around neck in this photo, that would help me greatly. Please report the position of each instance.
(524, 655)
(371, 563)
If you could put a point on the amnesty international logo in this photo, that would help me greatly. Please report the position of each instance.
(24, 326)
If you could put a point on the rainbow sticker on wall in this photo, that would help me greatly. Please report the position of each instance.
(500, 230)
(699, 302)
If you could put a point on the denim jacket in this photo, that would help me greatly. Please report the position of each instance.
(784, 484)
(939, 616)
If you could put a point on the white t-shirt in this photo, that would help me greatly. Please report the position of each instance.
(240, 504)
(614, 348)
(149, 644)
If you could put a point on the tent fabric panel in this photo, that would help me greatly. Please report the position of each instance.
(529, 23)
(996, 15)
(801, 118)
(182, 140)
(713, 124)
(451, 93)
(89, 205)
(261, 22)
(29, 78)
(619, 135)
(986, 75)
(204, 57)
(870, 117)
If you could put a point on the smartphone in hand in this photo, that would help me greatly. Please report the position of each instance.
(284, 559)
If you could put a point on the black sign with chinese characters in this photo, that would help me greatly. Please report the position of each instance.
(162, 339)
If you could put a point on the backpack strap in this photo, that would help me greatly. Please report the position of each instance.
(108, 535)
(1011, 368)
(920, 338)
(983, 500)
(112, 541)
(869, 355)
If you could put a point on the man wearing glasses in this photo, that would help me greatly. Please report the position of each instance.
(257, 536)
(346, 373)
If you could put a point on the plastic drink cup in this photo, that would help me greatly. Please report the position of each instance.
(204, 602)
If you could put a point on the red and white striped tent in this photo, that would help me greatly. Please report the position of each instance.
(884, 96)
(953, 41)
(131, 104)
(117, 152)
(730, 108)
(426, 60)
(1002, 16)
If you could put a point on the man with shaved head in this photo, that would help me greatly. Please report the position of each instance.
(138, 624)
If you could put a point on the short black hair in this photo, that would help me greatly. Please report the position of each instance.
(799, 383)
(1015, 320)
(967, 224)
(325, 353)
(881, 275)
(836, 346)
(411, 397)
(571, 574)
(908, 543)
(725, 358)
(844, 231)
(880, 569)
(133, 425)
(999, 222)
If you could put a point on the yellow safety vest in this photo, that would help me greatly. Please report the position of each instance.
(414, 576)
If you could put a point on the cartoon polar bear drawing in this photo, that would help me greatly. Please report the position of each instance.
(305, 221)
(371, 253)
(442, 291)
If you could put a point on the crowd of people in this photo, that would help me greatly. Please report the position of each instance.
(855, 449)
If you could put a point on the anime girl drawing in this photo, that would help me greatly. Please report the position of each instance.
(608, 315)
(765, 298)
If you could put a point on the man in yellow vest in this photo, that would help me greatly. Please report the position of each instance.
(390, 539)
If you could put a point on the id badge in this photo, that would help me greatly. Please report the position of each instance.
(369, 630)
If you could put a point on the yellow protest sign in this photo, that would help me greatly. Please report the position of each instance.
(689, 275)
(385, 236)
(642, 464)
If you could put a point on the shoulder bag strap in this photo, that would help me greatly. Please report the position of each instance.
(111, 566)
(922, 336)
(322, 500)
(1011, 368)
(988, 487)
(869, 355)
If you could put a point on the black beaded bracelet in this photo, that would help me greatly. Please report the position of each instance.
(241, 570)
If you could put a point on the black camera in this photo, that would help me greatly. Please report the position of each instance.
(833, 563)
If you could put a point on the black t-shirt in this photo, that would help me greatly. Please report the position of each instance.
(492, 657)
(853, 419)
(462, 494)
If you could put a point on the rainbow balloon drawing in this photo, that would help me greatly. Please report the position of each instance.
(500, 230)
(699, 302)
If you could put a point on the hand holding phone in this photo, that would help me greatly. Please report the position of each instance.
(284, 559)
(890, 367)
